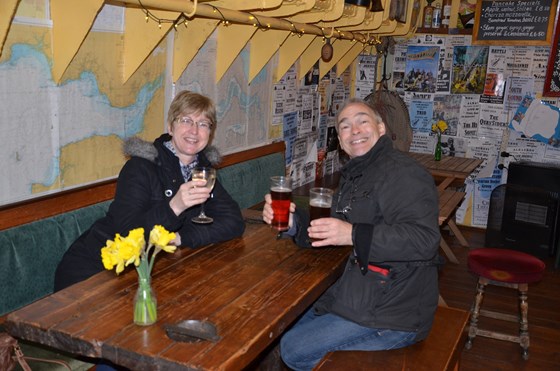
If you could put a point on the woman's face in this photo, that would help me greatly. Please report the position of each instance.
(190, 134)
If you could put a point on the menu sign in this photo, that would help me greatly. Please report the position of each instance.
(514, 22)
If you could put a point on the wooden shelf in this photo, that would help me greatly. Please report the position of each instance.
(444, 31)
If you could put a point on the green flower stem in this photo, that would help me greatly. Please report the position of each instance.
(145, 305)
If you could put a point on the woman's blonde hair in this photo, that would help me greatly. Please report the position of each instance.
(187, 102)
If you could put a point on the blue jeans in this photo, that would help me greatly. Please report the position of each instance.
(313, 336)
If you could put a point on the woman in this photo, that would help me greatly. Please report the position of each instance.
(154, 187)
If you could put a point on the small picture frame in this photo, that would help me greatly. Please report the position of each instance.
(552, 78)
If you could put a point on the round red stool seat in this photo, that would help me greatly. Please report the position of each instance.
(505, 265)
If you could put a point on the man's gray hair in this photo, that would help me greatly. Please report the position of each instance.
(376, 113)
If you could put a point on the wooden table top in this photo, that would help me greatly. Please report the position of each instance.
(460, 167)
(252, 288)
(449, 170)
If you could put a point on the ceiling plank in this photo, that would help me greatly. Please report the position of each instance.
(188, 42)
(72, 21)
(141, 37)
(325, 10)
(245, 4)
(7, 11)
(289, 52)
(349, 57)
(263, 46)
(289, 8)
(310, 56)
(231, 40)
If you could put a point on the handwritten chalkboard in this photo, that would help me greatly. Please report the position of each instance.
(514, 22)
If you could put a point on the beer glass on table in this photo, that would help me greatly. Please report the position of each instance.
(281, 195)
(320, 202)
(208, 174)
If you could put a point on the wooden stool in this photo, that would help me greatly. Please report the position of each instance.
(506, 268)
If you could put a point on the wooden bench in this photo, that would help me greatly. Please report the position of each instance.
(441, 350)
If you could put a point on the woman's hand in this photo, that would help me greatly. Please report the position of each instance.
(176, 241)
(330, 231)
(268, 213)
(189, 194)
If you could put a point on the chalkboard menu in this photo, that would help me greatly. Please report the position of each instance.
(514, 22)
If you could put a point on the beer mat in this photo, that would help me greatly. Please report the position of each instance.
(252, 216)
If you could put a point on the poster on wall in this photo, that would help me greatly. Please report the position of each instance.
(421, 68)
(538, 120)
(365, 75)
(469, 69)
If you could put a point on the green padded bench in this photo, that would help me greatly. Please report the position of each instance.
(30, 254)
(246, 175)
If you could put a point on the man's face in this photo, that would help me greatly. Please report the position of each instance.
(358, 129)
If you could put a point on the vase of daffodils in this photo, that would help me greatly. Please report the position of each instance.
(438, 128)
(132, 249)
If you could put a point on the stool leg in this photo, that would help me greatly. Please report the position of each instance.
(523, 322)
(475, 311)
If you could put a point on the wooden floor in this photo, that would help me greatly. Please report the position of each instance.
(457, 287)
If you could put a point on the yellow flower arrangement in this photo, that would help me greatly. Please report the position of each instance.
(124, 251)
(439, 127)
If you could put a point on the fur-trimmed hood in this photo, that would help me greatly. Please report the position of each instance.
(135, 146)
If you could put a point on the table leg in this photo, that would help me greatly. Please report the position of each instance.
(457, 233)
(447, 250)
(445, 183)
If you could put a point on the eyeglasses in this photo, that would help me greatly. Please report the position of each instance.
(188, 122)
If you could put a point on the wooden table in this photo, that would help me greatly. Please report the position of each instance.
(252, 288)
(449, 171)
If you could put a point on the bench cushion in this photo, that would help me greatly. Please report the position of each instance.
(247, 182)
(31, 252)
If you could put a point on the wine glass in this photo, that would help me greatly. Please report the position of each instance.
(208, 174)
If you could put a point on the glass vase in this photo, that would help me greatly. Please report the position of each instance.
(145, 303)
(437, 152)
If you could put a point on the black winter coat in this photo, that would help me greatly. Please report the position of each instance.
(146, 184)
(392, 204)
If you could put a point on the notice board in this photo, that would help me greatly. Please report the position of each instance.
(514, 22)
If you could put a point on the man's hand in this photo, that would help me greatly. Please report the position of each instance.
(330, 231)
(268, 213)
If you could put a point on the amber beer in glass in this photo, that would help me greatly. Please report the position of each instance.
(281, 194)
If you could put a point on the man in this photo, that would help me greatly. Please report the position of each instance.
(386, 207)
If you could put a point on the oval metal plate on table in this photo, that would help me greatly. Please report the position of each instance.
(192, 330)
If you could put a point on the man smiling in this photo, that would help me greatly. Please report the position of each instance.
(386, 207)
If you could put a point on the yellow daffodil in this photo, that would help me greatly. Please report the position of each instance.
(439, 127)
(160, 237)
(132, 249)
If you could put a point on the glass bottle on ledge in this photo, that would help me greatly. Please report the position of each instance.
(446, 14)
(437, 151)
(428, 14)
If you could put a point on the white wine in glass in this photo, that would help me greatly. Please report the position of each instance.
(209, 175)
